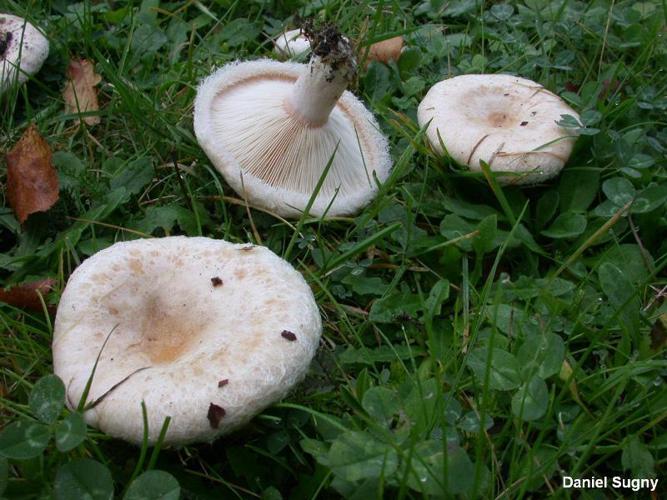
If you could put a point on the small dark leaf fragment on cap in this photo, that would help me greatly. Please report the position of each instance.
(286, 334)
(523, 124)
(247, 249)
(215, 414)
(223, 382)
(216, 281)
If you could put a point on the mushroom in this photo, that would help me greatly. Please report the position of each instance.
(291, 44)
(387, 50)
(506, 121)
(23, 50)
(203, 331)
(271, 128)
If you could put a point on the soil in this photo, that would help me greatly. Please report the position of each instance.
(327, 42)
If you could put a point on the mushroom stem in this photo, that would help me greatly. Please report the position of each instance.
(330, 70)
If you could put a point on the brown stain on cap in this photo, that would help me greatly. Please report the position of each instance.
(136, 266)
(497, 119)
(166, 334)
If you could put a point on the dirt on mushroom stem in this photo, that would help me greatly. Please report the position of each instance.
(328, 43)
(332, 67)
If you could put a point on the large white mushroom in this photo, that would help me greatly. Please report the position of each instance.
(506, 121)
(204, 331)
(23, 50)
(271, 128)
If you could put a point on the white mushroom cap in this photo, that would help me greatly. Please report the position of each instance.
(23, 50)
(291, 44)
(271, 128)
(503, 120)
(204, 331)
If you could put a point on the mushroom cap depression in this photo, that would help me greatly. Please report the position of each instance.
(291, 44)
(204, 331)
(23, 50)
(503, 120)
(273, 158)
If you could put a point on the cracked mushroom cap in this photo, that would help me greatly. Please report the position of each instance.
(271, 128)
(23, 50)
(204, 331)
(503, 120)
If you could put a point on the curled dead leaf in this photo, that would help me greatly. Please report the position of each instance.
(32, 182)
(80, 94)
(26, 295)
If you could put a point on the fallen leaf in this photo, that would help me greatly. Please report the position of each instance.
(386, 50)
(80, 95)
(32, 182)
(26, 295)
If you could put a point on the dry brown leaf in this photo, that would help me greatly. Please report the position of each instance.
(25, 295)
(80, 95)
(32, 182)
(386, 50)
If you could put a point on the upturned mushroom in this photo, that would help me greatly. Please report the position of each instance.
(203, 331)
(506, 121)
(271, 128)
(23, 50)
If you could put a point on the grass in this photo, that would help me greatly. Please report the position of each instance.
(479, 341)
